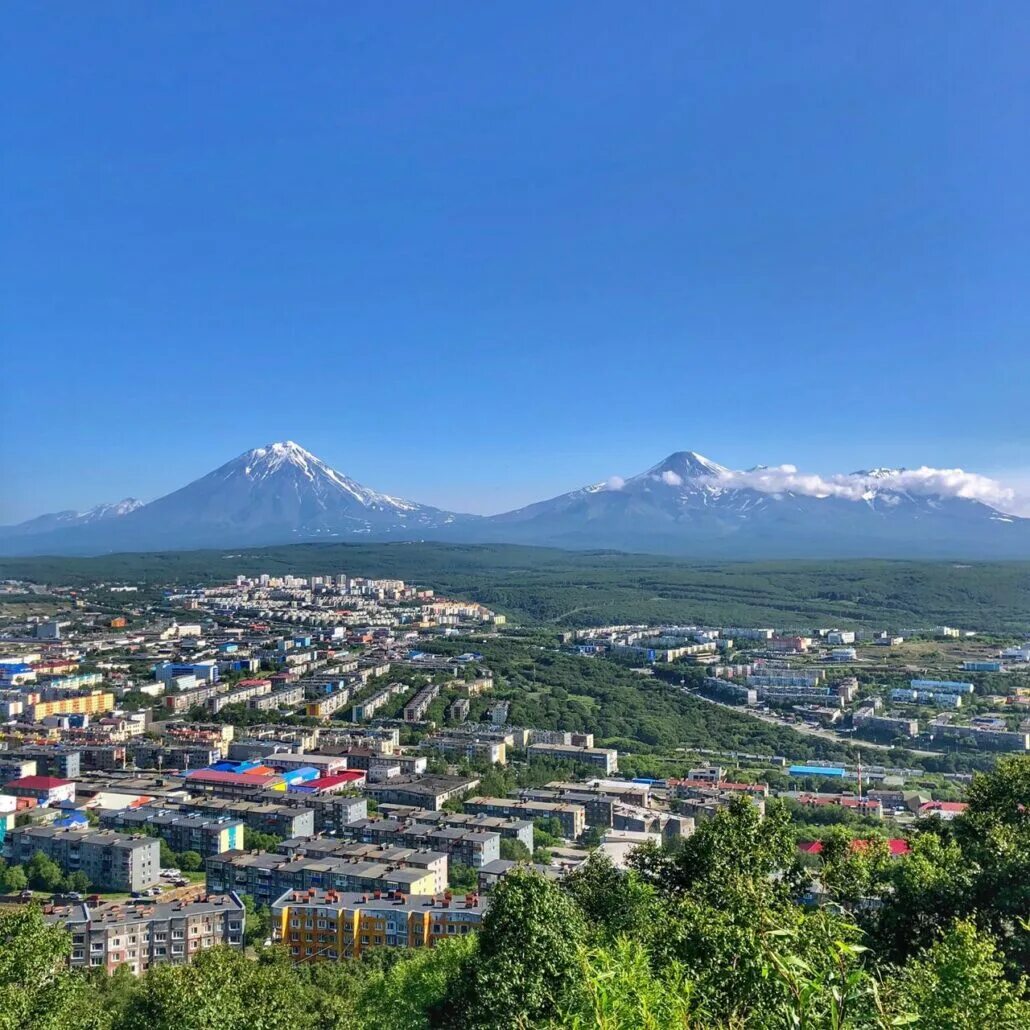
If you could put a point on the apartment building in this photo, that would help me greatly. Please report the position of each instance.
(328, 705)
(470, 847)
(515, 829)
(80, 704)
(265, 817)
(148, 754)
(287, 697)
(184, 700)
(112, 861)
(603, 758)
(458, 710)
(422, 791)
(350, 867)
(475, 749)
(573, 818)
(203, 834)
(143, 934)
(415, 710)
(331, 925)
(244, 692)
(64, 763)
(364, 710)
(332, 812)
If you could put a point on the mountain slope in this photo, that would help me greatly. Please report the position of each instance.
(689, 505)
(685, 505)
(273, 494)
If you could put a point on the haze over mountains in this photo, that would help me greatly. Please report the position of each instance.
(685, 505)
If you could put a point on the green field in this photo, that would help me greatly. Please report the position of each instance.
(567, 588)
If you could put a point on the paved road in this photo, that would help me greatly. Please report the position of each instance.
(812, 731)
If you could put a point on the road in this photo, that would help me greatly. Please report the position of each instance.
(812, 731)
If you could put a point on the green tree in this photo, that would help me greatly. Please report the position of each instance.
(259, 923)
(36, 989)
(462, 877)
(527, 964)
(514, 850)
(43, 873)
(959, 984)
(255, 840)
(15, 879)
(77, 881)
(190, 861)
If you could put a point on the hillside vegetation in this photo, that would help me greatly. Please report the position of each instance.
(570, 588)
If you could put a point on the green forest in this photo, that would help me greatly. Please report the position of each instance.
(584, 588)
(719, 931)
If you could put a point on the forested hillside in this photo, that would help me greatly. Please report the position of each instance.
(592, 588)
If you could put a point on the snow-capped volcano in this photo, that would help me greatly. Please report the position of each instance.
(279, 493)
(688, 504)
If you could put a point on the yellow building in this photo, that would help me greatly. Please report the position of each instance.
(327, 924)
(79, 704)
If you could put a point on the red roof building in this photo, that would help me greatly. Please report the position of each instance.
(47, 790)
(897, 846)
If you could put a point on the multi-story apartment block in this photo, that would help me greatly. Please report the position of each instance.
(515, 829)
(112, 861)
(326, 706)
(471, 847)
(458, 710)
(142, 934)
(278, 819)
(332, 811)
(355, 867)
(605, 759)
(65, 763)
(364, 710)
(244, 692)
(415, 710)
(493, 751)
(79, 704)
(149, 754)
(573, 818)
(421, 791)
(182, 702)
(287, 697)
(331, 925)
(200, 833)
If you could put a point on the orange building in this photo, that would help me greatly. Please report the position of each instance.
(327, 924)
(79, 704)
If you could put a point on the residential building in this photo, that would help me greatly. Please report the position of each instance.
(606, 759)
(46, 790)
(421, 791)
(363, 867)
(200, 833)
(332, 925)
(573, 818)
(470, 847)
(415, 710)
(112, 861)
(145, 933)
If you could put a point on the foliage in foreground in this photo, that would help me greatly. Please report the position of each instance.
(709, 935)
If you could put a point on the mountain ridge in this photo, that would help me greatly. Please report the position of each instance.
(685, 504)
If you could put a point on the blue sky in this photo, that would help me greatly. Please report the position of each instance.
(478, 254)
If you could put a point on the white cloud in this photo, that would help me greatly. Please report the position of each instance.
(923, 482)
(672, 478)
(614, 483)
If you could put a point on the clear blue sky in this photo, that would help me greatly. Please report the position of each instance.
(477, 254)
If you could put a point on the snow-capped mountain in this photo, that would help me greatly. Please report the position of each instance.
(685, 505)
(279, 493)
(690, 505)
(69, 519)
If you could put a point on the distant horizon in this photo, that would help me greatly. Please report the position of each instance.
(481, 256)
(1018, 505)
